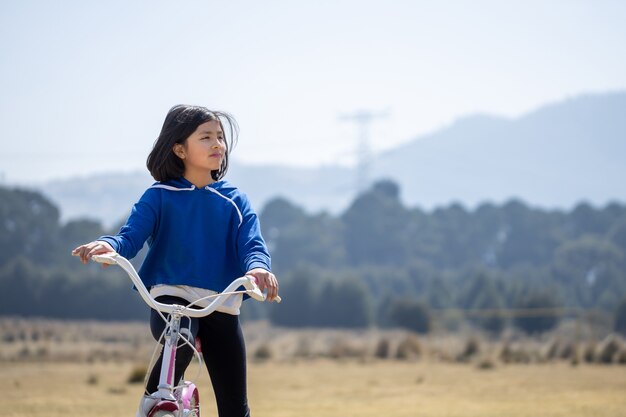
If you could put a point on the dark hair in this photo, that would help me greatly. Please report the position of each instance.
(181, 121)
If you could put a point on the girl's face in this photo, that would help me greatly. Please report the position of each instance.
(203, 151)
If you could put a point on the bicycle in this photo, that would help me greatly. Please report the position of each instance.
(182, 400)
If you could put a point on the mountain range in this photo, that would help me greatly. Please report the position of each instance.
(556, 156)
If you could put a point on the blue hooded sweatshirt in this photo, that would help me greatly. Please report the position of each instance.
(202, 237)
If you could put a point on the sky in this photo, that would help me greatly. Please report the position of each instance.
(85, 85)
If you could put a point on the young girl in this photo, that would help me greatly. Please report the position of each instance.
(202, 233)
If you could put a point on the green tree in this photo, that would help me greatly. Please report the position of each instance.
(298, 307)
(617, 234)
(527, 235)
(377, 227)
(103, 295)
(440, 293)
(410, 314)
(29, 225)
(589, 269)
(539, 311)
(453, 228)
(344, 303)
(72, 234)
(586, 220)
(482, 292)
(294, 237)
(620, 318)
(19, 287)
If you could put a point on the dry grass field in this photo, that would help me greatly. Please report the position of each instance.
(51, 369)
(326, 388)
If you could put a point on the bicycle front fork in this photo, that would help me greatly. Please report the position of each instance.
(166, 379)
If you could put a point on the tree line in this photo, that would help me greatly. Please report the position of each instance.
(377, 263)
(408, 264)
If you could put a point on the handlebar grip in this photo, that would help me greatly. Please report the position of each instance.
(256, 293)
(105, 259)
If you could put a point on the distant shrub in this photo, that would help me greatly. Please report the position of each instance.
(608, 350)
(137, 375)
(568, 351)
(409, 348)
(486, 364)
(42, 352)
(263, 353)
(343, 349)
(383, 348)
(9, 338)
(24, 352)
(589, 353)
(303, 350)
(557, 350)
(117, 390)
(620, 318)
(508, 354)
(92, 379)
(472, 348)
(552, 350)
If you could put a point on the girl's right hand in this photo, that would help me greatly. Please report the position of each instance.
(97, 247)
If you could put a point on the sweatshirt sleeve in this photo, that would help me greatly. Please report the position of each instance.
(251, 247)
(140, 225)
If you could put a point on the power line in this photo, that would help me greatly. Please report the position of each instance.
(518, 312)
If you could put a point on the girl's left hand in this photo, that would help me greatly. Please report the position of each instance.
(266, 281)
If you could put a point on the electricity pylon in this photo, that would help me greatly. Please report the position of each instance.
(363, 119)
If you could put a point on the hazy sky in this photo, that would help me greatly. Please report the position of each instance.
(85, 85)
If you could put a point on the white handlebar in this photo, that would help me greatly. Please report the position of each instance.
(246, 281)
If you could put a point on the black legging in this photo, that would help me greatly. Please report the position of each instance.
(224, 353)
